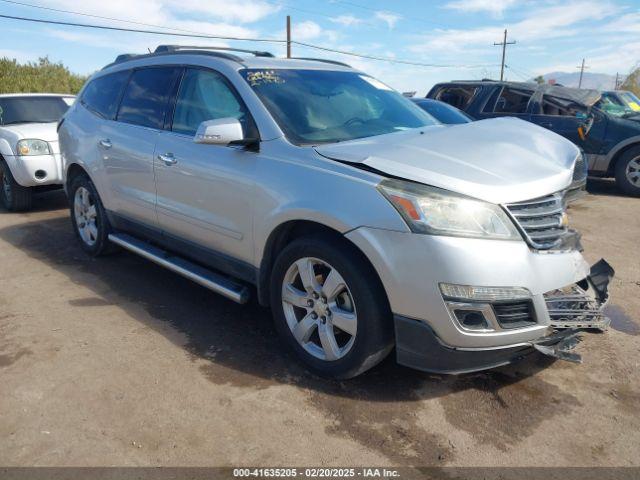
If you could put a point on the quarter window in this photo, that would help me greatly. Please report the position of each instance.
(513, 101)
(205, 95)
(102, 94)
(459, 97)
(145, 99)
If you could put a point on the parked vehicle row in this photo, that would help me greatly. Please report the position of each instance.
(29, 154)
(364, 223)
(611, 141)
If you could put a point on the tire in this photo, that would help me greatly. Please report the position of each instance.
(15, 197)
(628, 172)
(88, 217)
(359, 345)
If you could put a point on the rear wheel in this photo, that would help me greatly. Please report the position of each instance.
(89, 219)
(15, 197)
(628, 172)
(330, 308)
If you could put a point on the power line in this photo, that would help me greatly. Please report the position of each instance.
(151, 32)
(220, 37)
(83, 14)
(393, 60)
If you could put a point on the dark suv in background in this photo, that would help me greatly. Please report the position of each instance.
(611, 143)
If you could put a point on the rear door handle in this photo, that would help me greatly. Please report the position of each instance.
(168, 159)
(106, 143)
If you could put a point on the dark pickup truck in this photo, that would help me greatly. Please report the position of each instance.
(611, 143)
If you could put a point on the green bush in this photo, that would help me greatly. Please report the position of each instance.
(42, 76)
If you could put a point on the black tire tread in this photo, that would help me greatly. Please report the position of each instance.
(21, 197)
(620, 175)
(374, 339)
(102, 246)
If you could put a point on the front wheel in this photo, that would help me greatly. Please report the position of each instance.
(330, 308)
(628, 172)
(15, 197)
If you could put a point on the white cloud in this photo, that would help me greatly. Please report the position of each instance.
(494, 7)
(543, 24)
(243, 11)
(626, 23)
(389, 18)
(347, 20)
(305, 30)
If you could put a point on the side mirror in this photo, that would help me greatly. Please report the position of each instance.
(221, 131)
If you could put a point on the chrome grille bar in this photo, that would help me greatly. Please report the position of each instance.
(541, 220)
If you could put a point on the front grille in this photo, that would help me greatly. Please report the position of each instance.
(516, 314)
(542, 220)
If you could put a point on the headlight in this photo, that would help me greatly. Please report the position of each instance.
(33, 147)
(439, 212)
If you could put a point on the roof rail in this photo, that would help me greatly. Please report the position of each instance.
(177, 48)
(324, 60)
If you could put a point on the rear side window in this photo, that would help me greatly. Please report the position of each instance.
(101, 95)
(512, 101)
(205, 95)
(145, 99)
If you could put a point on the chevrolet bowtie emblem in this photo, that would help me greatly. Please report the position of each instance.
(564, 220)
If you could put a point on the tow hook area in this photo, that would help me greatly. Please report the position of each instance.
(561, 349)
(573, 309)
(580, 305)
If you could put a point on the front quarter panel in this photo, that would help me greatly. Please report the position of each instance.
(309, 187)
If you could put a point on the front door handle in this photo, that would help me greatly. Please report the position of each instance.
(168, 159)
(106, 143)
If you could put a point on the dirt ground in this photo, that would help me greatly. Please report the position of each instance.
(115, 361)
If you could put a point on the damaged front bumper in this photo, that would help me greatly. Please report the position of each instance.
(572, 310)
(580, 305)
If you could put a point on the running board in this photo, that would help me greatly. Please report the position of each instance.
(207, 278)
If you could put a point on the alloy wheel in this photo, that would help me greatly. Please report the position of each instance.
(85, 212)
(319, 309)
(633, 172)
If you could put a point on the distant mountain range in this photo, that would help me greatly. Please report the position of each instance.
(598, 81)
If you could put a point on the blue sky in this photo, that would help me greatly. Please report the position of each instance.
(551, 35)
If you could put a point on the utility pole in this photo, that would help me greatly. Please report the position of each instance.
(617, 80)
(504, 44)
(288, 36)
(581, 67)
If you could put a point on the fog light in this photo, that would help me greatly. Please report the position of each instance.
(40, 174)
(471, 319)
(487, 294)
(475, 316)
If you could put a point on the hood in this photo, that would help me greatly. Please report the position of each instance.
(41, 131)
(499, 160)
(586, 98)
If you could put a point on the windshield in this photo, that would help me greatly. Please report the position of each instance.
(31, 109)
(620, 104)
(443, 112)
(319, 106)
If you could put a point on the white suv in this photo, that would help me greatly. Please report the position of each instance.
(29, 155)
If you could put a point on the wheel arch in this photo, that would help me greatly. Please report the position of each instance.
(287, 232)
(73, 170)
(619, 150)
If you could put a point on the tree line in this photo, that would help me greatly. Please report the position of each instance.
(42, 76)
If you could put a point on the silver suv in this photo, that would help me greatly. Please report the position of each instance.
(359, 219)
